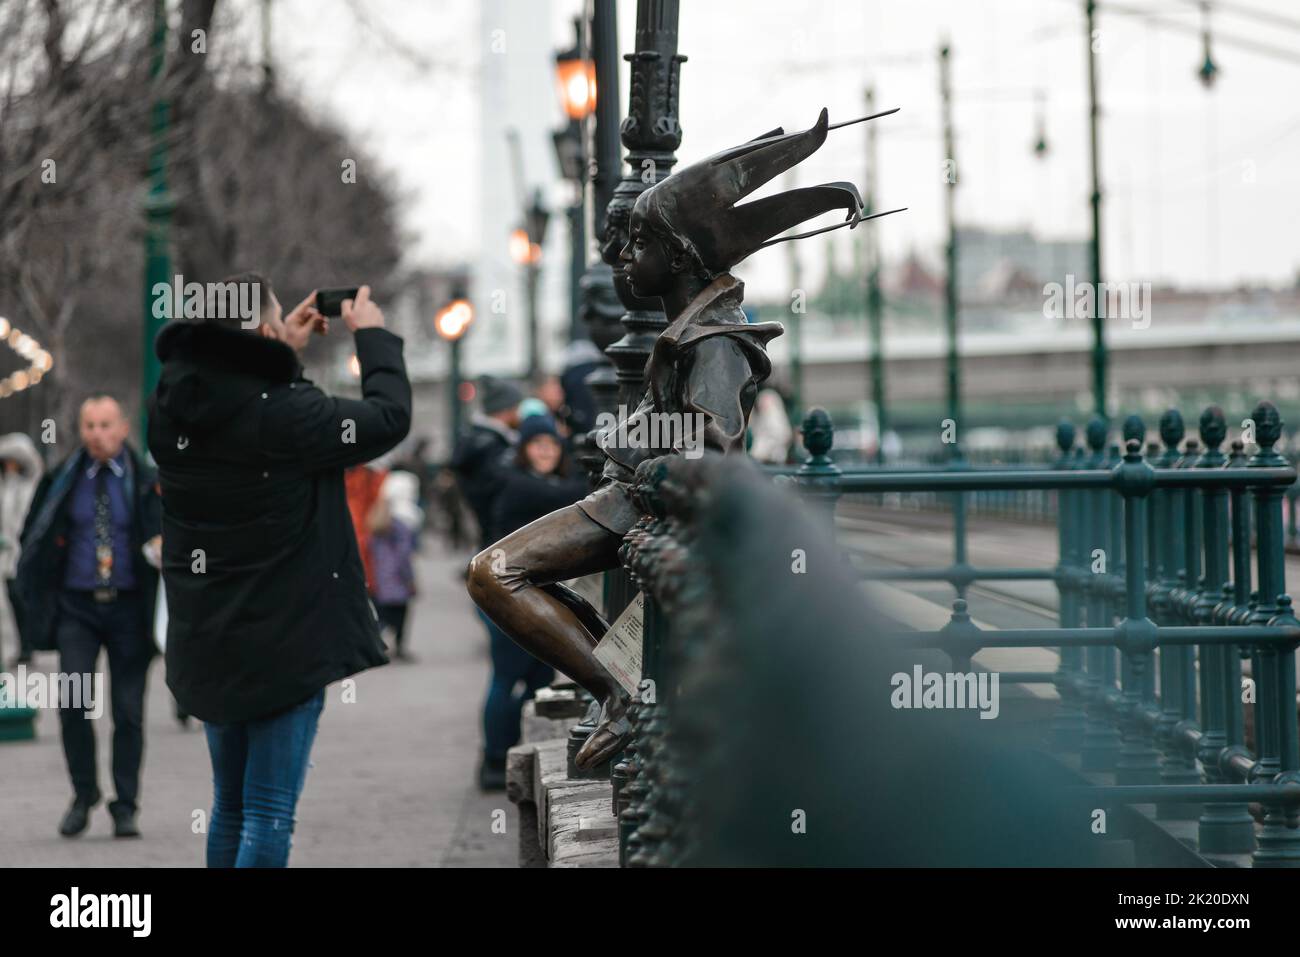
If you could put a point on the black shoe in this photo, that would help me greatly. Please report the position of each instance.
(492, 775)
(78, 816)
(124, 824)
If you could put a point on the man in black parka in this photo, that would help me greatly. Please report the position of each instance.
(265, 592)
(266, 595)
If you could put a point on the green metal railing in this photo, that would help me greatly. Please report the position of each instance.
(1170, 575)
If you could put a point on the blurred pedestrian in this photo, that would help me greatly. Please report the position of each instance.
(537, 482)
(392, 526)
(479, 458)
(265, 589)
(20, 471)
(770, 429)
(362, 484)
(581, 358)
(84, 585)
(451, 506)
(549, 392)
(533, 406)
(416, 460)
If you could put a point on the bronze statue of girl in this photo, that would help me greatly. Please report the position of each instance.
(685, 234)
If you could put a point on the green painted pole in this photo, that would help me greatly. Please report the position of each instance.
(798, 306)
(158, 210)
(950, 298)
(1068, 723)
(875, 301)
(1171, 527)
(1223, 828)
(1275, 709)
(1099, 356)
(1138, 762)
(1101, 740)
(453, 390)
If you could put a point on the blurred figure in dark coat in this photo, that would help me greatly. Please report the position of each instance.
(536, 483)
(479, 458)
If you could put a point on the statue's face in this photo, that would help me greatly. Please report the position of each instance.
(646, 262)
(615, 235)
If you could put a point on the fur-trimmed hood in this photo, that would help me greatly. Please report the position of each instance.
(210, 371)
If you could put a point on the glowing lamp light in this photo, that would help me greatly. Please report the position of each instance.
(577, 82)
(354, 366)
(523, 250)
(454, 319)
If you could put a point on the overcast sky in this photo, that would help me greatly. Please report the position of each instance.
(1201, 187)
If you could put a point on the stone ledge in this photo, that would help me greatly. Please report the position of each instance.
(575, 824)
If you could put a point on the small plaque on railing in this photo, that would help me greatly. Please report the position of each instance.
(620, 650)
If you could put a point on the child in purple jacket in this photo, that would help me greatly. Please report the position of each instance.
(394, 523)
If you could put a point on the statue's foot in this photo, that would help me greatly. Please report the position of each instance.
(607, 740)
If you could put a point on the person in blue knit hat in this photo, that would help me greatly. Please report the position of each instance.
(537, 481)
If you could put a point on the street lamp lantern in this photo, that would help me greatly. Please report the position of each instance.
(1208, 71)
(523, 250)
(454, 319)
(575, 76)
(451, 322)
(569, 153)
(536, 216)
(1040, 124)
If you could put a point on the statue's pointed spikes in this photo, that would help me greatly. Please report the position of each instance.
(851, 223)
(742, 170)
(776, 214)
(863, 119)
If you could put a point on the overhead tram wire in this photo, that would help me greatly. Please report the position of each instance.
(1262, 16)
(1242, 43)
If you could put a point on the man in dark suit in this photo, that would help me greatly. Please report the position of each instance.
(86, 585)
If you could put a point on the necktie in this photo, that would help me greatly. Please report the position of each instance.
(103, 530)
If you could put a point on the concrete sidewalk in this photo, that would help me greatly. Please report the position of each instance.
(391, 782)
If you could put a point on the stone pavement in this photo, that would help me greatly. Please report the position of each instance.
(391, 782)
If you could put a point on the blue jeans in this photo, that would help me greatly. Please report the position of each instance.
(511, 665)
(258, 769)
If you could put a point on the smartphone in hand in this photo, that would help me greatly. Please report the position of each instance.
(329, 302)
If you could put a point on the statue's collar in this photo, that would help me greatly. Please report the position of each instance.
(726, 289)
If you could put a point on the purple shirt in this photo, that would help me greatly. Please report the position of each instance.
(81, 571)
(393, 574)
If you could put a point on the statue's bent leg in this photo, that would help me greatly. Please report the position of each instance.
(507, 581)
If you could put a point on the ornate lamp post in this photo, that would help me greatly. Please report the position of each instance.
(651, 134)
(601, 306)
(526, 251)
(575, 77)
(452, 322)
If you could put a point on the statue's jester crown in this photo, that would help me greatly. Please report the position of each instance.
(697, 204)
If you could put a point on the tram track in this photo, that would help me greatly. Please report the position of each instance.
(905, 524)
